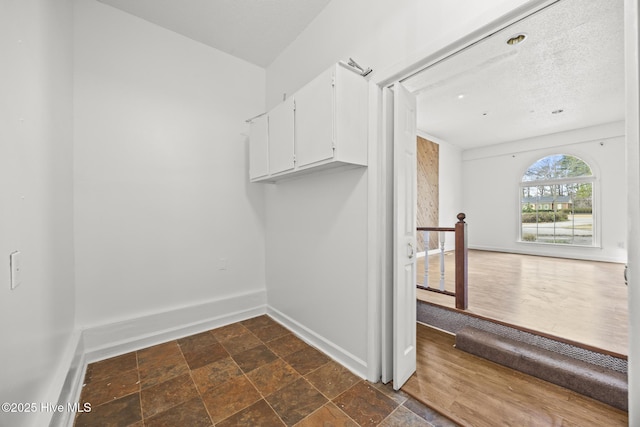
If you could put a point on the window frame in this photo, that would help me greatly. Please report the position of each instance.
(595, 205)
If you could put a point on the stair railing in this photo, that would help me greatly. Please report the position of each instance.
(461, 271)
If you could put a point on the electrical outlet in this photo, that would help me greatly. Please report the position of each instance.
(16, 273)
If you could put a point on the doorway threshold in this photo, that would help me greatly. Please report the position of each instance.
(452, 320)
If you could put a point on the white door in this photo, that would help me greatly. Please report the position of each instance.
(404, 263)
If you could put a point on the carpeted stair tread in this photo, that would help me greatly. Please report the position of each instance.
(597, 382)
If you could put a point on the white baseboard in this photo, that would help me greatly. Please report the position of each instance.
(589, 253)
(340, 355)
(114, 339)
(67, 384)
(101, 342)
(105, 341)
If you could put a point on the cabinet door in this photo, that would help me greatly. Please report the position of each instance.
(315, 127)
(281, 137)
(259, 148)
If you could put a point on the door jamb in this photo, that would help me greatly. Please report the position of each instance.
(632, 125)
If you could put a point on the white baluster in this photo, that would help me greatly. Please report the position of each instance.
(442, 260)
(425, 238)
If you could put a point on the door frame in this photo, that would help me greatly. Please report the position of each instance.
(381, 194)
(380, 191)
(632, 125)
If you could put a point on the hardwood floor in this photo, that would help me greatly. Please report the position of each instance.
(475, 392)
(580, 301)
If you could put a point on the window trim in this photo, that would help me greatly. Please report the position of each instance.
(595, 202)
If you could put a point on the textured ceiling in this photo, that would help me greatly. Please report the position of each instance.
(254, 30)
(571, 60)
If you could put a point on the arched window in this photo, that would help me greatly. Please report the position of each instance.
(557, 203)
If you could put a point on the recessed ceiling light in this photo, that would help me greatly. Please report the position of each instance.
(517, 39)
(461, 96)
(558, 111)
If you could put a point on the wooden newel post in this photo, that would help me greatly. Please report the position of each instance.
(461, 263)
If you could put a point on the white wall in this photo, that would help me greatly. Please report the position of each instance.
(320, 222)
(162, 192)
(36, 207)
(491, 178)
(317, 258)
(450, 183)
(379, 35)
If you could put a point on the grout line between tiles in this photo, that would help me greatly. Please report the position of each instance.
(329, 401)
(198, 391)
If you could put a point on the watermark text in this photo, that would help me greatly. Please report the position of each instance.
(26, 407)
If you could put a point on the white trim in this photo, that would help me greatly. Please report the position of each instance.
(385, 314)
(102, 342)
(66, 384)
(451, 43)
(437, 329)
(114, 339)
(375, 240)
(632, 76)
(588, 256)
(340, 355)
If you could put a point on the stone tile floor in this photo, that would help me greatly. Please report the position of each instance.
(251, 373)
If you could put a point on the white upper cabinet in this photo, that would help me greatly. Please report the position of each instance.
(259, 148)
(315, 120)
(281, 137)
(321, 126)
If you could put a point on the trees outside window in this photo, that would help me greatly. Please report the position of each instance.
(557, 202)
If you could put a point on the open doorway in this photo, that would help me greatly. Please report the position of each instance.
(548, 85)
(513, 225)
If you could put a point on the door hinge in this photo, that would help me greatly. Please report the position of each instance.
(294, 158)
(294, 105)
(333, 80)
